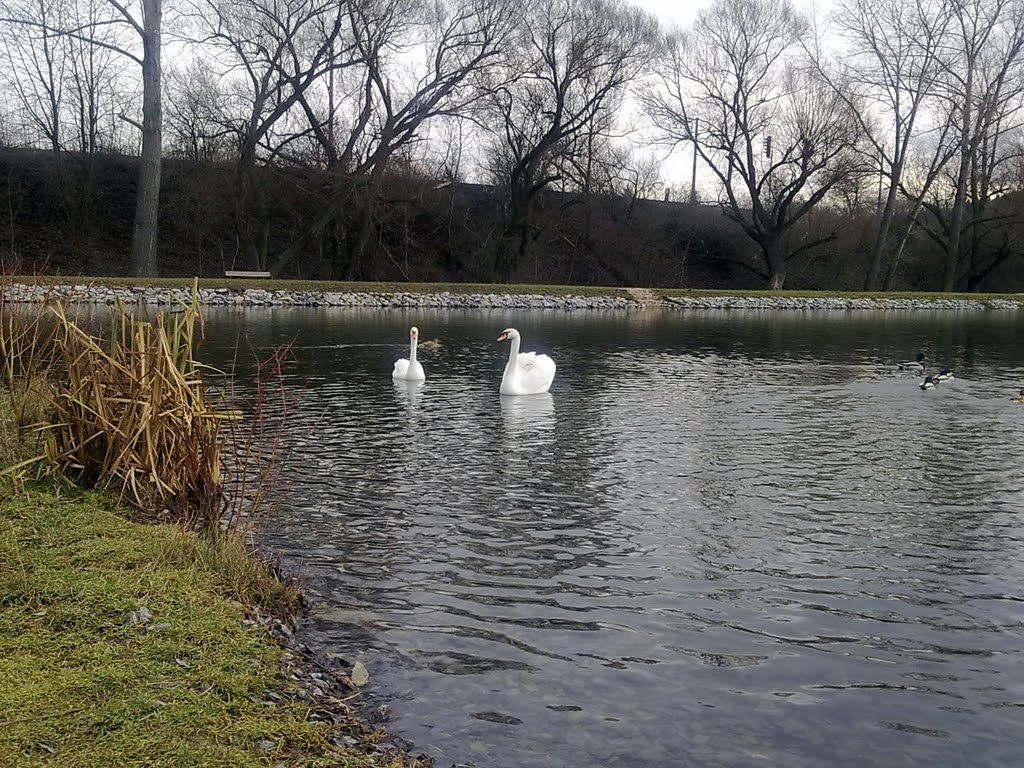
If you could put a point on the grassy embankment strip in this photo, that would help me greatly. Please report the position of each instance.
(325, 286)
(916, 296)
(81, 686)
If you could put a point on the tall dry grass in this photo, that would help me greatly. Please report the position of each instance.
(125, 410)
(130, 409)
(131, 414)
(26, 358)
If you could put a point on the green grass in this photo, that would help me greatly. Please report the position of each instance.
(81, 687)
(17, 440)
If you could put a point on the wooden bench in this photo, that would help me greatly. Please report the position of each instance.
(233, 273)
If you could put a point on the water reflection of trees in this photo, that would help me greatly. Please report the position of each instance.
(710, 434)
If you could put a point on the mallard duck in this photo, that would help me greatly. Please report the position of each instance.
(928, 383)
(913, 365)
(944, 375)
(1019, 398)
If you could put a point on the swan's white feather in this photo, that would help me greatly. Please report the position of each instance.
(532, 374)
(403, 372)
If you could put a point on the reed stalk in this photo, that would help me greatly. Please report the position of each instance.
(129, 410)
(131, 414)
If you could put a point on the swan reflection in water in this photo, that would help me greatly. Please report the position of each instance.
(528, 415)
(408, 393)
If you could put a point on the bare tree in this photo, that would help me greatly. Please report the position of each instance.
(57, 35)
(391, 99)
(277, 50)
(887, 73)
(981, 60)
(37, 55)
(194, 114)
(145, 23)
(574, 59)
(93, 74)
(777, 138)
(984, 240)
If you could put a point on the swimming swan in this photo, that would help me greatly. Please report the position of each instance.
(410, 370)
(913, 365)
(527, 373)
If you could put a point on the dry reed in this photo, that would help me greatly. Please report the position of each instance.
(129, 411)
(131, 414)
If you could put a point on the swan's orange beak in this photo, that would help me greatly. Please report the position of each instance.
(503, 337)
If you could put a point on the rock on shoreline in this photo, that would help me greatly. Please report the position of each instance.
(258, 297)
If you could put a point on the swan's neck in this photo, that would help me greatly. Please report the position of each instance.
(513, 351)
(412, 352)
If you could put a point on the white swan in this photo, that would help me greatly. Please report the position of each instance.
(410, 370)
(527, 373)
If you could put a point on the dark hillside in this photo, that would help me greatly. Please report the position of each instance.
(77, 219)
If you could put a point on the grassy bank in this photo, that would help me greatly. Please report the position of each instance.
(129, 643)
(190, 685)
(322, 286)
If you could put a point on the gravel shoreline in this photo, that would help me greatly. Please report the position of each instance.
(257, 297)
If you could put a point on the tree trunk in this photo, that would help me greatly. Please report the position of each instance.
(881, 238)
(505, 260)
(776, 260)
(956, 215)
(251, 219)
(147, 202)
(358, 266)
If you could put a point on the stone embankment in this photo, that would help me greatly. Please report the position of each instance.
(812, 303)
(633, 299)
(258, 297)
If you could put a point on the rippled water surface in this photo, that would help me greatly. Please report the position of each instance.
(722, 540)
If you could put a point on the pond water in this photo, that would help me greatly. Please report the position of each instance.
(723, 539)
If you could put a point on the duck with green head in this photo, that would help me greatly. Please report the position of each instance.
(917, 364)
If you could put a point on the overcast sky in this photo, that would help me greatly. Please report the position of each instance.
(669, 12)
(675, 170)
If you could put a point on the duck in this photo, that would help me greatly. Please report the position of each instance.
(928, 383)
(944, 375)
(526, 373)
(1019, 398)
(409, 370)
(916, 364)
(431, 345)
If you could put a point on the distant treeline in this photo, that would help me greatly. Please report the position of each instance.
(879, 147)
(428, 230)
